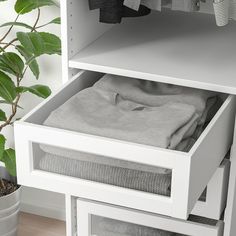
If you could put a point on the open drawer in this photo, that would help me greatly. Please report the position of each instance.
(94, 218)
(190, 172)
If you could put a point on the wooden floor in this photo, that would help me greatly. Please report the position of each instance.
(32, 225)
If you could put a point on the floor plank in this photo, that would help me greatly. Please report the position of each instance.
(40, 226)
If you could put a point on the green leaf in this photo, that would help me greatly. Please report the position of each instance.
(9, 158)
(10, 62)
(7, 88)
(55, 21)
(2, 145)
(2, 115)
(33, 65)
(39, 43)
(21, 24)
(38, 90)
(25, 6)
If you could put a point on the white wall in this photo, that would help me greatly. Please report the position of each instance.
(33, 200)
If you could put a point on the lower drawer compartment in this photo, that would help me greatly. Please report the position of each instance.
(186, 182)
(94, 218)
(211, 204)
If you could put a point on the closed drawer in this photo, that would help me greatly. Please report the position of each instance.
(213, 202)
(94, 218)
(190, 171)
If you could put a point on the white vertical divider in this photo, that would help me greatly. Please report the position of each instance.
(84, 220)
(71, 216)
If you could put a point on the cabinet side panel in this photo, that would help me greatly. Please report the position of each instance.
(79, 28)
(230, 211)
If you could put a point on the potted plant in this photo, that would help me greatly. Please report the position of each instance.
(18, 55)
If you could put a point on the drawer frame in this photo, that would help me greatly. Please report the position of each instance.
(216, 196)
(185, 166)
(85, 210)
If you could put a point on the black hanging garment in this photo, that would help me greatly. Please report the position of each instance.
(112, 11)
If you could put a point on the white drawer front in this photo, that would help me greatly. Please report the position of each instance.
(87, 211)
(186, 185)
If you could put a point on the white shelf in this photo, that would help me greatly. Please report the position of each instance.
(172, 47)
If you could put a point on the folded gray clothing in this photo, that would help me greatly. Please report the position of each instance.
(109, 227)
(98, 112)
(122, 177)
(213, 105)
(104, 225)
(186, 145)
(82, 156)
(157, 182)
(155, 94)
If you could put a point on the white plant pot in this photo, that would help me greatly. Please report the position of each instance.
(221, 9)
(9, 209)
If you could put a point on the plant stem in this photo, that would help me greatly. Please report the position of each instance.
(9, 30)
(41, 26)
(10, 43)
(3, 43)
(14, 110)
(37, 20)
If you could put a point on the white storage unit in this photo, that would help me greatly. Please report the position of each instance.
(170, 47)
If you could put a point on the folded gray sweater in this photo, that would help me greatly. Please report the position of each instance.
(105, 226)
(123, 177)
(155, 94)
(109, 227)
(82, 156)
(157, 182)
(105, 113)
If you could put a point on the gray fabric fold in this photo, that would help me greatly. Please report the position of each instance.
(155, 94)
(109, 227)
(98, 112)
(103, 226)
(122, 177)
(82, 156)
